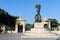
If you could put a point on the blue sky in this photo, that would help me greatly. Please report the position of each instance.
(26, 8)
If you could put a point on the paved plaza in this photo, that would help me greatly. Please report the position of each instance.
(13, 36)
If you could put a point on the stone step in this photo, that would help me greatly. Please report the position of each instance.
(31, 36)
(37, 31)
(34, 34)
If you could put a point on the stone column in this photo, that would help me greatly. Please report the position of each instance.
(59, 28)
(23, 28)
(49, 26)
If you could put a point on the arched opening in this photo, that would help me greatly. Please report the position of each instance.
(46, 26)
(20, 28)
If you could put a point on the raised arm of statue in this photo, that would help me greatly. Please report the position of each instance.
(38, 8)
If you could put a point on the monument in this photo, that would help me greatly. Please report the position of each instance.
(38, 31)
(38, 16)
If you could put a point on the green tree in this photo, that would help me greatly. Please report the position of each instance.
(54, 23)
(7, 19)
(29, 26)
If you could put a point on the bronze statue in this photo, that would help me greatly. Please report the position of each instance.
(38, 16)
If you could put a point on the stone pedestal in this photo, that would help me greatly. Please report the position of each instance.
(39, 32)
(3, 29)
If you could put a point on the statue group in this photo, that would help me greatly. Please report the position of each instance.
(38, 16)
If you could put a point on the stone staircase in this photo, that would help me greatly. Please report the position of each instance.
(39, 32)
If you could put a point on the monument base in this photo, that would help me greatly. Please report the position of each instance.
(39, 33)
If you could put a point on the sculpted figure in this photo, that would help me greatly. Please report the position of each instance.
(38, 16)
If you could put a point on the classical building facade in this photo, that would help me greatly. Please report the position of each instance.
(20, 25)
